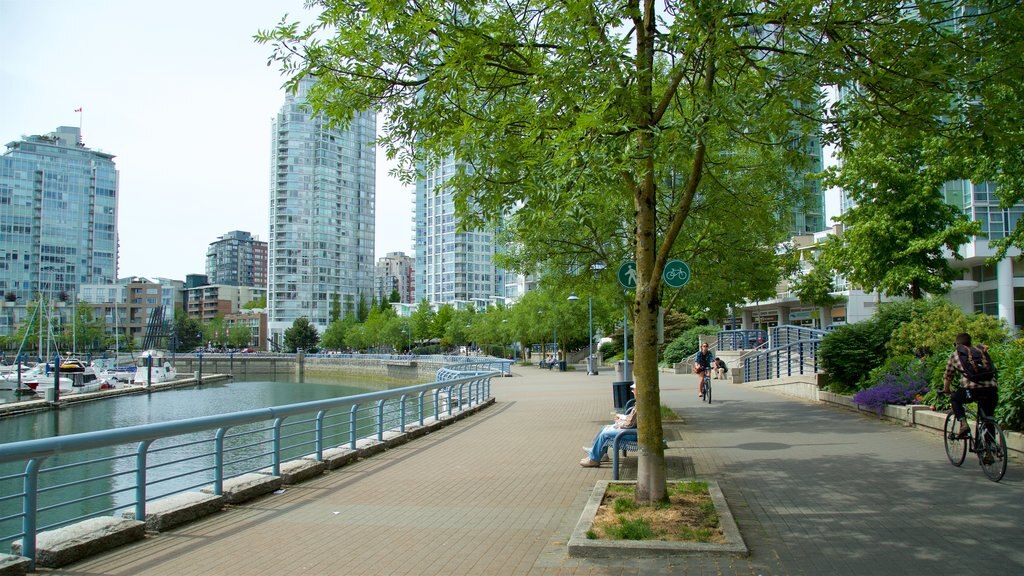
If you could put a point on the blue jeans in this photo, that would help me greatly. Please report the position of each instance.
(601, 442)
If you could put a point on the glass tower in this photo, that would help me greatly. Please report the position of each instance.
(452, 267)
(322, 199)
(58, 217)
(237, 259)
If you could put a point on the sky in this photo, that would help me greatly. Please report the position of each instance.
(183, 97)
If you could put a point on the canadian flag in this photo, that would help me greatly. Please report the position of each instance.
(78, 109)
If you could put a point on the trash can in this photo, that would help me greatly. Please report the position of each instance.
(624, 371)
(621, 394)
(51, 394)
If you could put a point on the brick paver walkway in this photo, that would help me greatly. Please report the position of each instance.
(815, 490)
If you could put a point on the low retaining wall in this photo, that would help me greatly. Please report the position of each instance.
(920, 416)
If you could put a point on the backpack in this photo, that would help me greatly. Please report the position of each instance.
(976, 364)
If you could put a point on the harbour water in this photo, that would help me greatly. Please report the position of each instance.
(130, 410)
(136, 409)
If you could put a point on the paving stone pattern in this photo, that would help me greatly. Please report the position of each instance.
(815, 490)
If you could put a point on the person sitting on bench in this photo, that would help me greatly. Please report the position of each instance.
(600, 446)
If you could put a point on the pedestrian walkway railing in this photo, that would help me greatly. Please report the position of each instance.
(795, 358)
(741, 339)
(50, 483)
(788, 334)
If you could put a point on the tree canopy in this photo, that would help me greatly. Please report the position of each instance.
(666, 112)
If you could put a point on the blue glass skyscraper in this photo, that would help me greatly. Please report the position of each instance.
(58, 218)
(322, 201)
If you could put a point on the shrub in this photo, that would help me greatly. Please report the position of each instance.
(1009, 360)
(850, 352)
(934, 327)
(903, 383)
(686, 344)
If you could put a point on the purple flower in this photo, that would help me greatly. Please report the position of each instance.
(901, 387)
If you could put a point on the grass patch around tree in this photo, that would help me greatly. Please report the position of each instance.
(689, 516)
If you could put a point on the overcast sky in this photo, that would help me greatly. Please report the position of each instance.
(183, 97)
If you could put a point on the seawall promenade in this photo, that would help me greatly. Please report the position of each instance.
(814, 490)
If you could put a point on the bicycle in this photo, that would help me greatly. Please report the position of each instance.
(705, 385)
(986, 440)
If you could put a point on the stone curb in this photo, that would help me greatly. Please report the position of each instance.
(582, 547)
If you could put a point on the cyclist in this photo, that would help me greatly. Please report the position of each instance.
(702, 365)
(981, 388)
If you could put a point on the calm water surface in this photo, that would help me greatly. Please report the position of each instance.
(175, 404)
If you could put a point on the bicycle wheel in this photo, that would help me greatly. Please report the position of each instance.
(956, 447)
(707, 388)
(992, 452)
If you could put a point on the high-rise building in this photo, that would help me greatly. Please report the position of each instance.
(452, 267)
(322, 200)
(395, 272)
(237, 259)
(58, 219)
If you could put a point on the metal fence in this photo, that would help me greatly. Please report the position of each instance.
(49, 483)
(800, 357)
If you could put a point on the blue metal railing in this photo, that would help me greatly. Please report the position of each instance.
(124, 468)
(788, 334)
(741, 339)
(795, 358)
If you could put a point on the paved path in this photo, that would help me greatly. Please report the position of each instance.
(815, 491)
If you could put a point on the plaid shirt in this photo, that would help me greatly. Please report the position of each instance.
(953, 367)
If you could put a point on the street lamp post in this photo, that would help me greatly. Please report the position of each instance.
(591, 369)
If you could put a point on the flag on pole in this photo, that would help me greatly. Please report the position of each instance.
(78, 109)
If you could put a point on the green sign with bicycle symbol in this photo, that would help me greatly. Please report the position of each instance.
(675, 275)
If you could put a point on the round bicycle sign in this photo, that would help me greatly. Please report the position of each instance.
(676, 273)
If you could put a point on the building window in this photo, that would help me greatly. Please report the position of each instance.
(987, 302)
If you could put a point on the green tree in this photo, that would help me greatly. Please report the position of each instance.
(257, 304)
(395, 296)
(363, 311)
(335, 312)
(897, 237)
(334, 336)
(422, 320)
(662, 111)
(301, 334)
(188, 331)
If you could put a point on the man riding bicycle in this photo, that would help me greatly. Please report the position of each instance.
(977, 380)
(702, 365)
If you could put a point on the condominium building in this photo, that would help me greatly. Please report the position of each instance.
(395, 272)
(209, 301)
(452, 267)
(58, 220)
(237, 259)
(322, 200)
(130, 305)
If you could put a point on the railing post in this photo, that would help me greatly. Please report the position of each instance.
(140, 479)
(380, 420)
(275, 457)
(353, 413)
(218, 462)
(29, 506)
(420, 406)
(401, 413)
(320, 435)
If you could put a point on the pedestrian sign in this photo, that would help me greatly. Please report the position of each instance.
(676, 273)
(627, 274)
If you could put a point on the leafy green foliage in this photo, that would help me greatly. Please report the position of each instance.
(637, 529)
(936, 325)
(1009, 359)
(686, 343)
(301, 334)
(900, 230)
(849, 352)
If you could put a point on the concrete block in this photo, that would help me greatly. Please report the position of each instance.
(246, 487)
(178, 509)
(295, 471)
(56, 548)
(337, 457)
(13, 565)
